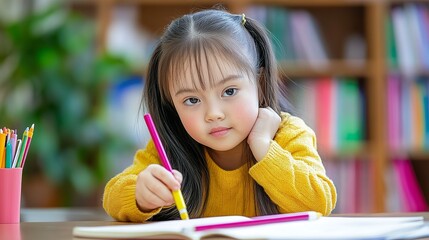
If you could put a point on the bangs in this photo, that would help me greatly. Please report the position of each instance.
(201, 57)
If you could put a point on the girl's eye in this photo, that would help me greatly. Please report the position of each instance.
(230, 92)
(191, 101)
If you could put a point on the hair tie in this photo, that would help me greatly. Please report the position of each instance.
(243, 19)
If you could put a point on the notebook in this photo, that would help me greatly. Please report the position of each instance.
(323, 228)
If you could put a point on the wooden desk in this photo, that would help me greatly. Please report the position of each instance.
(63, 214)
(45, 230)
(55, 223)
(58, 223)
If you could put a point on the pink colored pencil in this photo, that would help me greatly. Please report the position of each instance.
(27, 145)
(278, 218)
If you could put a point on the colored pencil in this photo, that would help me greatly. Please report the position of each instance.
(177, 194)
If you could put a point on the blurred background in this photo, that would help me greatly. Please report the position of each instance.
(83, 100)
(355, 71)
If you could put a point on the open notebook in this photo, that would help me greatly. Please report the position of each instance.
(323, 228)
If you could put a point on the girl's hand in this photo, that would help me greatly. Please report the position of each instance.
(263, 132)
(154, 186)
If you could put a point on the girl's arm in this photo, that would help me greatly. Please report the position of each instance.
(119, 199)
(292, 173)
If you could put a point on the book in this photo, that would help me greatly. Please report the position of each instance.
(394, 112)
(323, 228)
(302, 95)
(415, 38)
(423, 22)
(276, 21)
(406, 115)
(421, 83)
(350, 115)
(405, 52)
(391, 51)
(416, 117)
(410, 191)
(326, 93)
(307, 40)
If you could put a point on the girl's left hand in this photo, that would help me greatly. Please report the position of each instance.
(263, 131)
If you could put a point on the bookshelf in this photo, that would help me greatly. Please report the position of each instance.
(407, 57)
(336, 20)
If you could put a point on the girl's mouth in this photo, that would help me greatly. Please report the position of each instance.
(219, 131)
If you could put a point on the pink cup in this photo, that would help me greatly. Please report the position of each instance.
(10, 194)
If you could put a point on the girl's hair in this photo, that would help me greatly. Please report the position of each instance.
(186, 44)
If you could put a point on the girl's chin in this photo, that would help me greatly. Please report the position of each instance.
(225, 148)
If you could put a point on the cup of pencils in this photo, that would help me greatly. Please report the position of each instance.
(13, 153)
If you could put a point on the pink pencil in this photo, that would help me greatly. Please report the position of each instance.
(157, 142)
(287, 217)
(27, 145)
(177, 194)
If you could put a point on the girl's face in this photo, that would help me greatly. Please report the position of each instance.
(220, 114)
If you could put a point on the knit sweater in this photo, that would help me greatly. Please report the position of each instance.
(291, 173)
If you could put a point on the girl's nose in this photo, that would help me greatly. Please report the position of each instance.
(214, 113)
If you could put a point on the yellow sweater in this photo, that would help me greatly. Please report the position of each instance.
(292, 174)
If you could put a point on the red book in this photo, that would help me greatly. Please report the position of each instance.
(325, 100)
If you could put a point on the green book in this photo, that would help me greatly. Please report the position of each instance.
(349, 115)
(276, 21)
(392, 56)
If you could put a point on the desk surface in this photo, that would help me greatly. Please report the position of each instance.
(58, 223)
(63, 214)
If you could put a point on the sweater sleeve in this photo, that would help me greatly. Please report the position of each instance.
(119, 199)
(292, 173)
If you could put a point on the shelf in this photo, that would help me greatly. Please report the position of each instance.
(83, 3)
(336, 68)
(418, 73)
(171, 2)
(312, 3)
(422, 154)
(361, 153)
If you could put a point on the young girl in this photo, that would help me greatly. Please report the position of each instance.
(212, 90)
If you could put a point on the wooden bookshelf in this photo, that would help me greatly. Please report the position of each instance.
(337, 20)
(335, 68)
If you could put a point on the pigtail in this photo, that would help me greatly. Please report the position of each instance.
(269, 80)
(267, 65)
(268, 95)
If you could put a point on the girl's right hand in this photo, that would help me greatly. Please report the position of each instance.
(154, 186)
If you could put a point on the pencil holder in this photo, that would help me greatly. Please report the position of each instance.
(10, 195)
